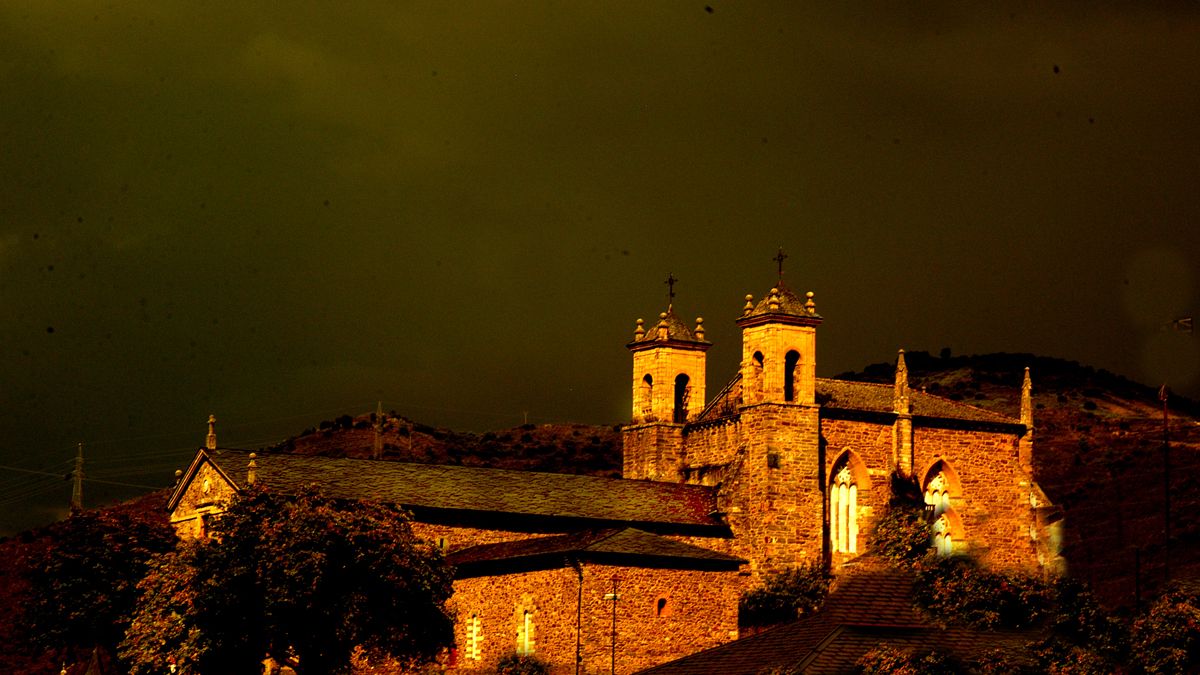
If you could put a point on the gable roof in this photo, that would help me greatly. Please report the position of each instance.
(868, 608)
(606, 545)
(496, 491)
(866, 397)
(875, 397)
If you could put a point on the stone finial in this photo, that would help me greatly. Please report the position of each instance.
(749, 305)
(773, 300)
(809, 305)
(662, 329)
(211, 442)
(178, 475)
(901, 401)
(699, 328)
(640, 331)
(252, 470)
(1027, 401)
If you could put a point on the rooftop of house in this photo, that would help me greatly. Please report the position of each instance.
(459, 488)
(868, 608)
(604, 545)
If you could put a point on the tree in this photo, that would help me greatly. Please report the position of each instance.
(784, 596)
(886, 659)
(84, 587)
(1166, 638)
(301, 575)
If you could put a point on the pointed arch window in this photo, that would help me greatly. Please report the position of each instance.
(843, 510)
(939, 505)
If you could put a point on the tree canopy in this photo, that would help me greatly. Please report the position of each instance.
(298, 576)
(83, 586)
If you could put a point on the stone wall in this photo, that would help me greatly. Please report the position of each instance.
(661, 615)
(992, 496)
(205, 495)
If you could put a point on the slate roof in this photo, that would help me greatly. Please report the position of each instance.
(867, 397)
(874, 397)
(501, 491)
(868, 608)
(791, 303)
(677, 330)
(599, 545)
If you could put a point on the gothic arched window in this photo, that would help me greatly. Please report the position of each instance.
(843, 510)
(939, 505)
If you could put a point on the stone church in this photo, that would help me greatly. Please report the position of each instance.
(779, 468)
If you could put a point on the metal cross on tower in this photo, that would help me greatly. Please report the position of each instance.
(670, 282)
(779, 258)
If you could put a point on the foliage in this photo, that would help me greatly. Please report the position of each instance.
(519, 664)
(21, 654)
(1166, 638)
(901, 533)
(303, 574)
(956, 587)
(84, 587)
(784, 596)
(886, 658)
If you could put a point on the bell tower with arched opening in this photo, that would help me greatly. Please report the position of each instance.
(777, 504)
(668, 390)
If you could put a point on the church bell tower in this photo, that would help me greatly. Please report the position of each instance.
(668, 390)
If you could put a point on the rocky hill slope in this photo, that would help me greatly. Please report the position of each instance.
(562, 448)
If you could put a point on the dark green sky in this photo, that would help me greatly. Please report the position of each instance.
(281, 215)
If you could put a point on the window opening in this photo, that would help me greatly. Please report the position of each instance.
(525, 638)
(789, 375)
(474, 638)
(647, 395)
(682, 393)
(843, 509)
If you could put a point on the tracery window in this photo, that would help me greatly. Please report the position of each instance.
(941, 514)
(843, 510)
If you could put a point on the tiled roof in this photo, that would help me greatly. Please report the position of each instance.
(594, 544)
(873, 397)
(864, 397)
(502, 491)
(868, 608)
(790, 304)
(677, 330)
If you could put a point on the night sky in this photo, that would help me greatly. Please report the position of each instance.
(283, 214)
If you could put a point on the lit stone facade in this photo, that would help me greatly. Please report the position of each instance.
(804, 466)
(779, 468)
(661, 614)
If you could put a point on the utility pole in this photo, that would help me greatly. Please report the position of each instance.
(1166, 449)
(77, 475)
(377, 444)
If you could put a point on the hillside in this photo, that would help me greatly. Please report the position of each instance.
(561, 448)
(1098, 454)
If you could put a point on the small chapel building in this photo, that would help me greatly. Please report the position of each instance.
(780, 468)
